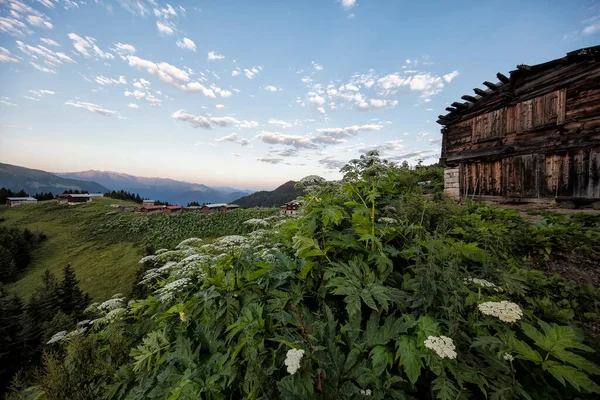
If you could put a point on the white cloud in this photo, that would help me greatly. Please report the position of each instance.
(197, 120)
(212, 56)
(88, 47)
(40, 68)
(219, 106)
(141, 84)
(7, 57)
(46, 3)
(224, 121)
(138, 7)
(165, 13)
(248, 124)
(198, 87)
(280, 123)
(225, 93)
(41, 92)
(250, 73)
(49, 42)
(50, 57)
(13, 27)
(164, 28)
(317, 66)
(331, 163)
(270, 160)
(150, 98)
(316, 99)
(39, 22)
(109, 81)
(378, 103)
(321, 110)
(348, 4)
(592, 25)
(92, 108)
(187, 44)
(124, 49)
(283, 139)
(425, 83)
(449, 77)
(7, 103)
(236, 154)
(133, 105)
(236, 72)
(229, 138)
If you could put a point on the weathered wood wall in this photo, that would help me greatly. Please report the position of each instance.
(536, 137)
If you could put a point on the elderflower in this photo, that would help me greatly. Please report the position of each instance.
(57, 337)
(292, 360)
(366, 392)
(442, 345)
(508, 357)
(504, 310)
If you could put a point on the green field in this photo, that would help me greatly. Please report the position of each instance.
(104, 245)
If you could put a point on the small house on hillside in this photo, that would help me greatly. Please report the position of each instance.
(219, 207)
(532, 136)
(96, 194)
(17, 201)
(148, 203)
(173, 209)
(152, 209)
(192, 208)
(290, 207)
(73, 199)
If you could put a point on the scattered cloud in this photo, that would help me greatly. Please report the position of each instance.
(212, 56)
(219, 106)
(331, 163)
(197, 120)
(40, 22)
(133, 105)
(141, 84)
(317, 66)
(280, 123)
(236, 72)
(348, 4)
(283, 139)
(248, 124)
(5, 101)
(150, 98)
(187, 44)
(234, 138)
(271, 88)
(270, 160)
(224, 121)
(91, 108)
(7, 57)
(425, 83)
(40, 68)
(592, 25)
(124, 50)
(449, 77)
(236, 154)
(39, 52)
(164, 28)
(49, 42)
(378, 103)
(250, 73)
(109, 81)
(87, 47)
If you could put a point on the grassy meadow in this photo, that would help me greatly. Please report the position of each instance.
(104, 245)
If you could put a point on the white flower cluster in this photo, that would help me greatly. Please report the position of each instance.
(57, 337)
(504, 310)
(160, 251)
(257, 222)
(366, 392)
(483, 283)
(386, 220)
(115, 315)
(442, 345)
(111, 304)
(188, 243)
(292, 360)
(92, 308)
(76, 332)
(168, 291)
(508, 357)
(147, 258)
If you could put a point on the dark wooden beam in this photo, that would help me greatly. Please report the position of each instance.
(450, 109)
(524, 67)
(502, 78)
(460, 106)
(491, 85)
(443, 122)
(469, 98)
(444, 117)
(480, 92)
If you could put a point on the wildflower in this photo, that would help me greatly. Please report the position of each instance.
(508, 357)
(482, 283)
(76, 332)
(366, 392)
(167, 292)
(292, 360)
(188, 242)
(386, 220)
(84, 322)
(147, 258)
(92, 308)
(504, 310)
(115, 315)
(442, 345)
(182, 316)
(57, 337)
(256, 222)
(111, 304)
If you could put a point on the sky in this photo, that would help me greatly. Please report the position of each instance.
(251, 94)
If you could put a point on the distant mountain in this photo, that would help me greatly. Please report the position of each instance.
(274, 198)
(175, 192)
(36, 181)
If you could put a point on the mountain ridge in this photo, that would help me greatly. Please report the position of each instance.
(271, 198)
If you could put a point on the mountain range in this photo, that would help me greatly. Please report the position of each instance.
(175, 192)
(273, 198)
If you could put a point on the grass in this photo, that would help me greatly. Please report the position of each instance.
(102, 268)
(104, 245)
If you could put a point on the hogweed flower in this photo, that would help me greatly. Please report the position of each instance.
(256, 222)
(146, 259)
(57, 337)
(111, 304)
(442, 345)
(386, 220)
(366, 392)
(504, 310)
(508, 357)
(483, 283)
(292, 360)
(188, 243)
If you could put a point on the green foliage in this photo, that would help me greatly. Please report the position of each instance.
(359, 285)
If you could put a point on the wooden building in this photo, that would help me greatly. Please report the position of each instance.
(152, 209)
(73, 199)
(290, 207)
(531, 136)
(219, 208)
(17, 201)
(173, 209)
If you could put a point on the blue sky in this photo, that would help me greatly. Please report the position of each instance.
(254, 93)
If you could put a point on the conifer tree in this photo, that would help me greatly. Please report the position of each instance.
(72, 299)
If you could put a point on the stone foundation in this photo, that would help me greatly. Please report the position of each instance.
(451, 182)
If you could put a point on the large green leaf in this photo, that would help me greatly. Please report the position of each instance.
(576, 378)
(410, 357)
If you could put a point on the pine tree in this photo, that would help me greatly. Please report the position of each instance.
(11, 344)
(72, 299)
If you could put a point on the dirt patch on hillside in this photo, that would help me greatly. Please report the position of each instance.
(581, 267)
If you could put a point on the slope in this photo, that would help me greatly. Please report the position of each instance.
(35, 181)
(273, 198)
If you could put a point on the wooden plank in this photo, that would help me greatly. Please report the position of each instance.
(502, 78)
(467, 97)
(491, 85)
(480, 92)
(593, 188)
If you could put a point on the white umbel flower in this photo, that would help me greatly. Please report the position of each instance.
(292, 360)
(442, 345)
(504, 310)
(57, 337)
(366, 392)
(508, 357)
(483, 283)
(256, 222)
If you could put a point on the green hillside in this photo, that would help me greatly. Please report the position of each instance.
(34, 180)
(273, 198)
(104, 245)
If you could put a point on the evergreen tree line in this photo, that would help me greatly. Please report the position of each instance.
(43, 196)
(193, 204)
(161, 203)
(25, 327)
(71, 191)
(15, 251)
(124, 195)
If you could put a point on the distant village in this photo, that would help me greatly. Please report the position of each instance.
(147, 206)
